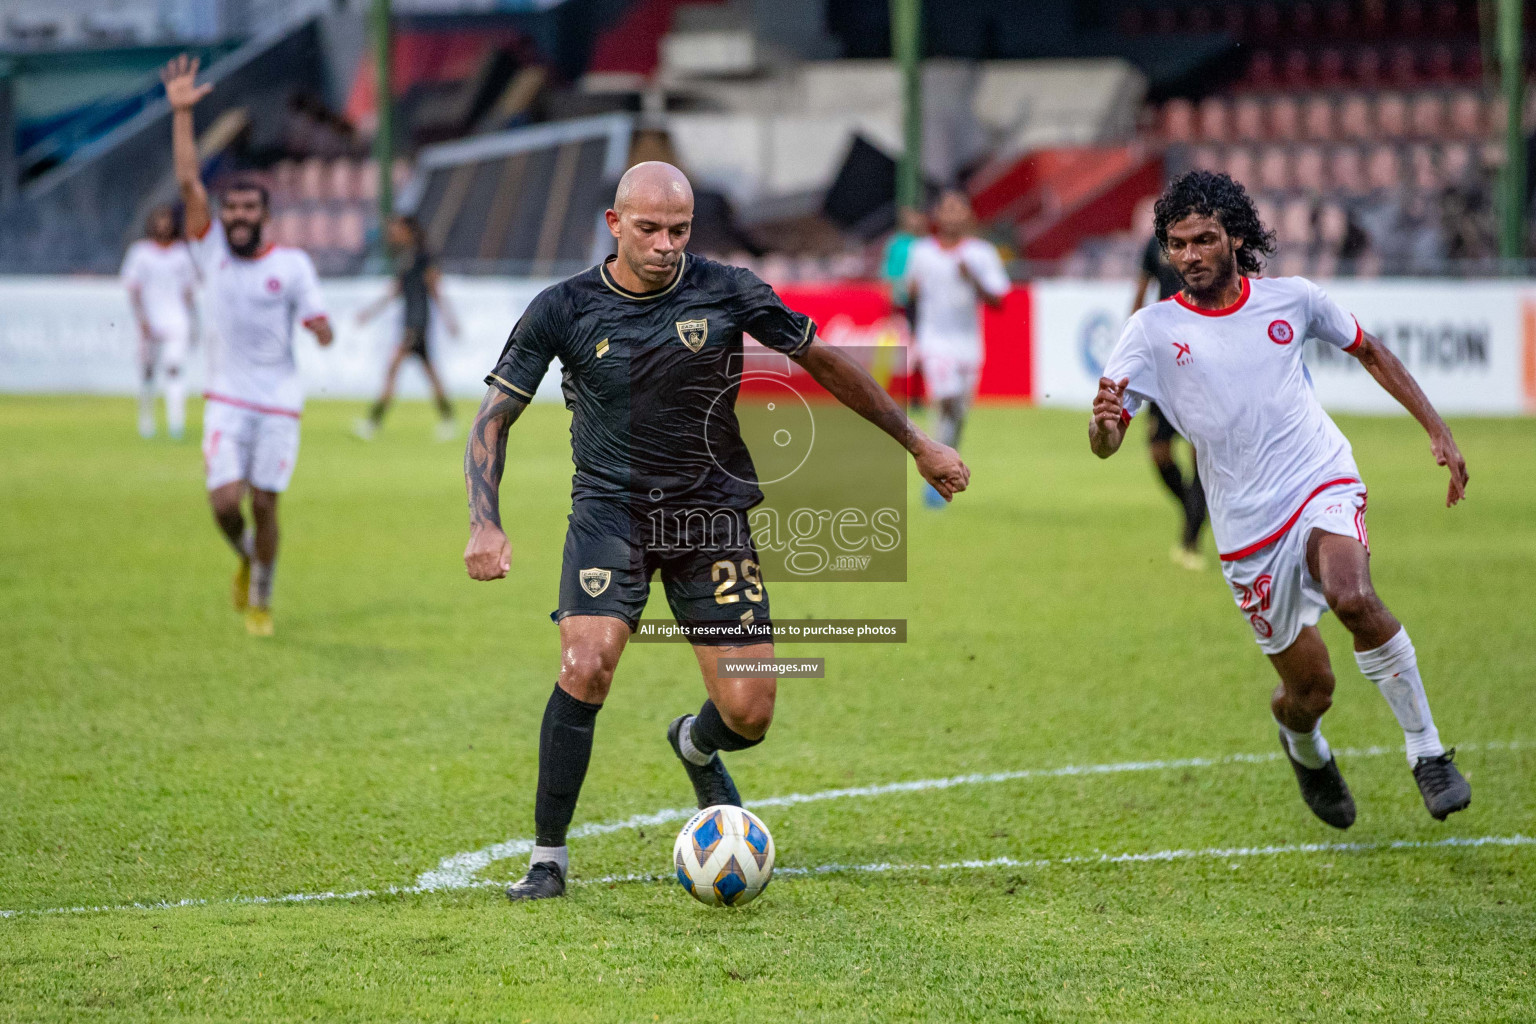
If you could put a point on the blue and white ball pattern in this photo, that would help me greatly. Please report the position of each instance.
(724, 856)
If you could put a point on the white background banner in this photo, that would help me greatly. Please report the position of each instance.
(1470, 344)
(78, 335)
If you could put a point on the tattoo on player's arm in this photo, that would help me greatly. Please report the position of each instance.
(485, 456)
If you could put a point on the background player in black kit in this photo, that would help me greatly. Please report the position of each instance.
(1161, 435)
(650, 345)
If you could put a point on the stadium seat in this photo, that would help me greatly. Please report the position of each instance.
(1309, 169)
(1345, 173)
(1424, 169)
(1215, 119)
(1402, 68)
(1466, 115)
(1367, 70)
(1178, 120)
(1440, 65)
(1391, 116)
(1261, 73)
(1332, 226)
(351, 230)
(1275, 169)
(319, 230)
(339, 180)
(1355, 117)
(1383, 168)
(1317, 119)
(312, 179)
(368, 181)
(1284, 118)
(1330, 69)
(1240, 165)
(288, 228)
(1295, 228)
(1207, 158)
(1248, 119)
(1456, 162)
(1427, 117)
(285, 181)
(1295, 69)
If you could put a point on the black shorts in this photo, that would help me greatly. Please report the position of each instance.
(1157, 423)
(413, 341)
(708, 565)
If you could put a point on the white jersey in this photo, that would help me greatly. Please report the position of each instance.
(948, 306)
(1233, 383)
(252, 305)
(161, 276)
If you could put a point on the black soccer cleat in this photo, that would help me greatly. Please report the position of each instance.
(542, 882)
(712, 784)
(1445, 791)
(1323, 789)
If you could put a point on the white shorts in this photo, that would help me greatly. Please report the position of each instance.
(950, 374)
(248, 444)
(1273, 587)
(169, 349)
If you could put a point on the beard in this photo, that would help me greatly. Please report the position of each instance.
(248, 248)
(1220, 268)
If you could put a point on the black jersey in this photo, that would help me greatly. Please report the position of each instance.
(412, 279)
(651, 379)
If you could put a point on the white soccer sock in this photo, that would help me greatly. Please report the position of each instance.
(175, 404)
(1394, 668)
(147, 407)
(1308, 748)
(691, 753)
(558, 855)
(261, 583)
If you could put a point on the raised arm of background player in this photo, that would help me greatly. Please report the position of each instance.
(183, 92)
(488, 555)
(1107, 427)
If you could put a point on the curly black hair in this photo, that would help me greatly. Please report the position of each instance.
(1215, 195)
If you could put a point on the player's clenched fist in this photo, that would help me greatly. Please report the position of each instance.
(488, 556)
(1109, 404)
(942, 467)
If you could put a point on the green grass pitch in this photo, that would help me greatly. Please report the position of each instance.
(152, 752)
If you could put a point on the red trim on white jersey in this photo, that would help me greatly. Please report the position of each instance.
(238, 403)
(200, 235)
(312, 321)
(1359, 337)
(1259, 545)
(1242, 299)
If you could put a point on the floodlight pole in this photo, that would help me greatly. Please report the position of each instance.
(1512, 67)
(906, 47)
(384, 137)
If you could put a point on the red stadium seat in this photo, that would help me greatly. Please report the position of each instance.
(312, 179)
(1262, 73)
(1295, 70)
(1427, 118)
(1317, 120)
(1330, 69)
(351, 231)
(1295, 227)
(1367, 70)
(1383, 168)
(1355, 117)
(1248, 119)
(1205, 158)
(1240, 166)
(1284, 118)
(1456, 162)
(1466, 115)
(1309, 169)
(1391, 116)
(1275, 169)
(1215, 119)
(1178, 120)
(1402, 68)
(1424, 169)
(1345, 172)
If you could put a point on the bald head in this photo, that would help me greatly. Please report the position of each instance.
(653, 183)
(651, 220)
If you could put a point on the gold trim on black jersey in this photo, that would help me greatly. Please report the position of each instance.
(602, 270)
(506, 383)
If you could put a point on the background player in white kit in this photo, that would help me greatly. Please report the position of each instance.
(159, 276)
(948, 275)
(1223, 360)
(255, 292)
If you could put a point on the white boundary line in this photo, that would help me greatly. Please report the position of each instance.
(459, 870)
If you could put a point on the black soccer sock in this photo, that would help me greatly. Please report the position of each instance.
(1194, 510)
(1172, 479)
(376, 414)
(444, 407)
(565, 749)
(710, 733)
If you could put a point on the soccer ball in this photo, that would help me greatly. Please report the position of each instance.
(724, 856)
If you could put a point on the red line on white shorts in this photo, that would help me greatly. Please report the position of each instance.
(269, 410)
(1259, 545)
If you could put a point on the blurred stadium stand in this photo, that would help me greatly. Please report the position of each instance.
(1367, 128)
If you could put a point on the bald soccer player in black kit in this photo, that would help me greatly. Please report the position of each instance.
(650, 342)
